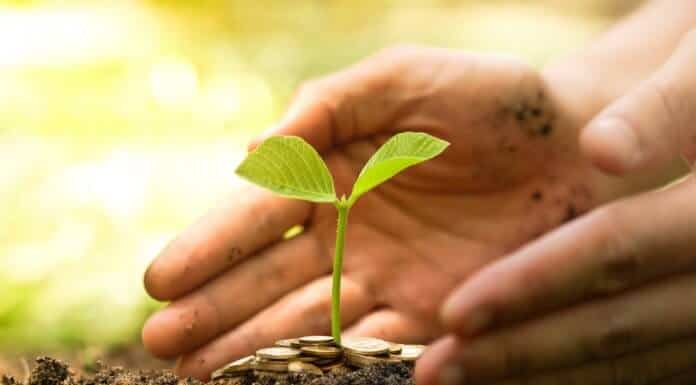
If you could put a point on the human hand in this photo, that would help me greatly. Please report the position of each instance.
(513, 171)
(606, 299)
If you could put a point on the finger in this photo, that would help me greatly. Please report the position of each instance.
(595, 331)
(622, 245)
(391, 325)
(653, 124)
(235, 296)
(366, 98)
(684, 378)
(344, 106)
(252, 219)
(430, 369)
(669, 364)
(306, 311)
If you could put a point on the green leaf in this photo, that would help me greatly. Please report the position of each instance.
(289, 166)
(397, 154)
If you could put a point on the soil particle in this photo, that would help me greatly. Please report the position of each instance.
(49, 371)
(8, 380)
(383, 374)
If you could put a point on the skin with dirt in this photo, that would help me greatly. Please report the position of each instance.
(49, 371)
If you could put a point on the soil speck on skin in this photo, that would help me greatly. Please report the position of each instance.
(546, 129)
(537, 196)
(571, 213)
(49, 371)
(234, 254)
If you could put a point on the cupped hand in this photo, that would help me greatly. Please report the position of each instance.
(609, 298)
(513, 171)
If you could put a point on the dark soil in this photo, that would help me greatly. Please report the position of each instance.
(49, 371)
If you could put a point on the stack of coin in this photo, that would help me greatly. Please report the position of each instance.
(319, 355)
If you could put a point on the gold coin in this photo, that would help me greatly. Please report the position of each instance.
(338, 369)
(271, 366)
(361, 361)
(235, 368)
(326, 366)
(297, 366)
(288, 343)
(410, 352)
(365, 345)
(321, 351)
(303, 358)
(316, 340)
(394, 348)
(326, 361)
(277, 353)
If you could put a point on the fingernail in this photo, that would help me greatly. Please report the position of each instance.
(452, 374)
(626, 144)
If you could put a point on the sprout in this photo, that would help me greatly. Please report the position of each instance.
(289, 166)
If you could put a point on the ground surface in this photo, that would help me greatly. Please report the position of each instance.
(82, 361)
(49, 371)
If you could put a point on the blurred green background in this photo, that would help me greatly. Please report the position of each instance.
(121, 122)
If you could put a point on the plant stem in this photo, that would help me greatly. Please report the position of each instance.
(343, 209)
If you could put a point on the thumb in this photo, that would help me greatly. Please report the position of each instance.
(346, 105)
(309, 116)
(654, 124)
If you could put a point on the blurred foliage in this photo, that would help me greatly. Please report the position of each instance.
(121, 122)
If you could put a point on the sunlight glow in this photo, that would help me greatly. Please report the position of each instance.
(173, 82)
(75, 34)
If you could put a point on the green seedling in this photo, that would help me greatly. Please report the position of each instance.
(289, 166)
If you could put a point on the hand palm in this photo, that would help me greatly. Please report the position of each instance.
(507, 177)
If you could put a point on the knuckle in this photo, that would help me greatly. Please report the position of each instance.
(398, 51)
(395, 59)
(626, 374)
(670, 105)
(619, 259)
(516, 359)
(308, 88)
(617, 334)
(246, 340)
(689, 39)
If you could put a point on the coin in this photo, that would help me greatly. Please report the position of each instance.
(297, 366)
(394, 348)
(321, 351)
(330, 365)
(361, 361)
(410, 352)
(365, 345)
(235, 368)
(271, 365)
(303, 358)
(337, 369)
(288, 343)
(278, 353)
(316, 340)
